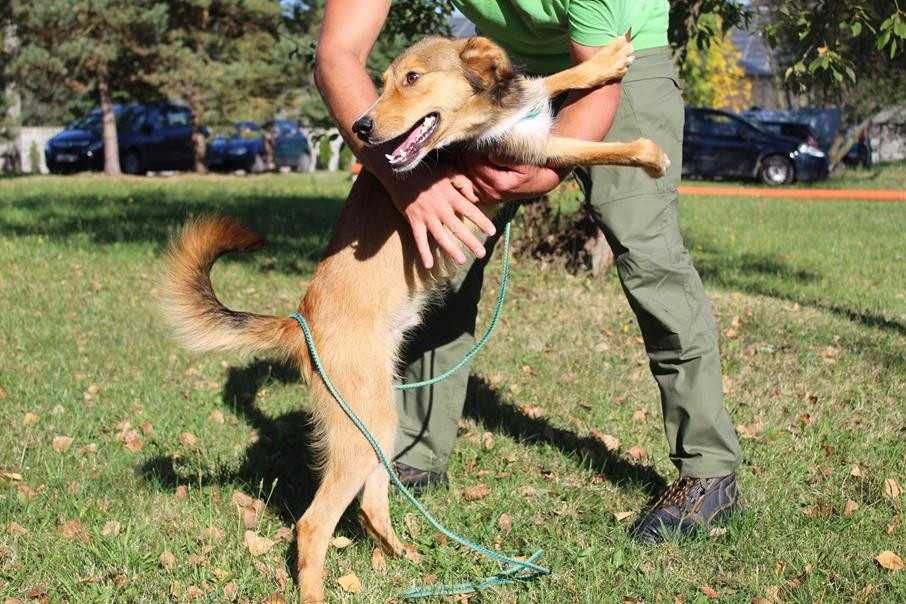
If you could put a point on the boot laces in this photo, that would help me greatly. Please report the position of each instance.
(677, 494)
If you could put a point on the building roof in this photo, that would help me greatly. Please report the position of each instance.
(756, 55)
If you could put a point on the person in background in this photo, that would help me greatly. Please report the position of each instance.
(637, 214)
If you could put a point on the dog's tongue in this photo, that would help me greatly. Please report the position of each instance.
(413, 136)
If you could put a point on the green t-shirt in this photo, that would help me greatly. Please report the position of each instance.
(536, 33)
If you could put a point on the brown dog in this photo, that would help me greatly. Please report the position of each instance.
(370, 287)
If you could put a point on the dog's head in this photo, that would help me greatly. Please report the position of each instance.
(436, 93)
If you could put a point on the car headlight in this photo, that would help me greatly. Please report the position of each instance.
(238, 151)
(806, 149)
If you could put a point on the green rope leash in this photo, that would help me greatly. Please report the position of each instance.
(513, 570)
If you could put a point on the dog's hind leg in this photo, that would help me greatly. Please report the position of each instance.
(375, 513)
(644, 153)
(610, 63)
(348, 462)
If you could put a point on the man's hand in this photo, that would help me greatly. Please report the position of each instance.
(438, 204)
(498, 180)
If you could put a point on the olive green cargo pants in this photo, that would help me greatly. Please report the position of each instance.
(638, 215)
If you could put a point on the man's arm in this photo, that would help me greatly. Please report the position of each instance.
(432, 203)
(586, 114)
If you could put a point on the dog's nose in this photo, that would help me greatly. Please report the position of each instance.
(363, 127)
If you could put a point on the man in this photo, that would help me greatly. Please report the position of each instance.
(637, 214)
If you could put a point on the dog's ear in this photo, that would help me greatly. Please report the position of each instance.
(486, 66)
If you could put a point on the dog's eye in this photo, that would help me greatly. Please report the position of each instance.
(412, 77)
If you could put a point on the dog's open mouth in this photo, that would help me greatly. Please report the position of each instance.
(413, 142)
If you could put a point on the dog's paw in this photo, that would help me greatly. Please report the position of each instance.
(614, 59)
(652, 159)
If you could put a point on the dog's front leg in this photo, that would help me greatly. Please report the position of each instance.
(642, 152)
(610, 63)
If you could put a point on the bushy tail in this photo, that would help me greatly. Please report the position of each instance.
(201, 322)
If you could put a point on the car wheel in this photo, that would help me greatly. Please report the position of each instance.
(776, 170)
(258, 165)
(132, 163)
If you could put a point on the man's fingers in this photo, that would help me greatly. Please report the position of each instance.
(446, 243)
(478, 218)
(462, 232)
(464, 186)
(420, 233)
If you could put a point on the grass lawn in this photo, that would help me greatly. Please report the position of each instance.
(121, 455)
(881, 176)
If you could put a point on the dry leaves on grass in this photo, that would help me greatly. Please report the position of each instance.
(532, 411)
(61, 443)
(505, 523)
(217, 416)
(819, 510)
(256, 544)
(893, 525)
(890, 561)
(274, 598)
(850, 507)
(167, 560)
(638, 453)
(621, 516)
(213, 534)
(30, 419)
(249, 509)
(709, 592)
(856, 472)
(231, 591)
(181, 492)
(341, 542)
(188, 439)
(350, 583)
(610, 442)
(487, 441)
(111, 529)
(14, 476)
(640, 415)
(16, 530)
(476, 493)
(892, 489)
(73, 530)
(284, 533)
(750, 430)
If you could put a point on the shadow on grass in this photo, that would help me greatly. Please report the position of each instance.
(734, 271)
(485, 405)
(296, 226)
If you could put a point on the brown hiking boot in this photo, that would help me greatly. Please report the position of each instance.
(417, 480)
(687, 506)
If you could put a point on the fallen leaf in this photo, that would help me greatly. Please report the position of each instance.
(73, 530)
(284, 533)
(750, 430)
(505, 523)
(487, 441)
(167, 560)
(341, 542)
(132, 440)
(717, 531)
(61, 443)
(856, 472)
(891, 489)
(231, 591)
(893, 525)
(91, 391)
(217, 416)
(532, 411)
(249, 518)
(147, 428)
(257, 544)
(621, 516)
(610, 442)
(241, 500)
(378, 561)
(281, 577)
(11, 475)
(640, 415)
(819, 510)
(709, 592)
(188, 439)
(111, 529)
(850, 507)
(411, 554)
(890, 561)
(212, 533)
(350, 583)
(16, 530)
(30, 419)
(193, 592)
(197, 560)
(181, 492)
(476, 493)
(413, 527)
(274, 598)
(638, 453)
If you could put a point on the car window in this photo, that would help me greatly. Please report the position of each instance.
(717, 124)
(175, 117)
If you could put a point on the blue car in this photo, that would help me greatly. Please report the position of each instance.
(246, 148)
(717, 144)
(151, 137)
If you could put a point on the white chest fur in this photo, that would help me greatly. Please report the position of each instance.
(523, 134)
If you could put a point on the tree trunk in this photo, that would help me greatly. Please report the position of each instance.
(847, 136)
(108, 121)
(200, 147)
